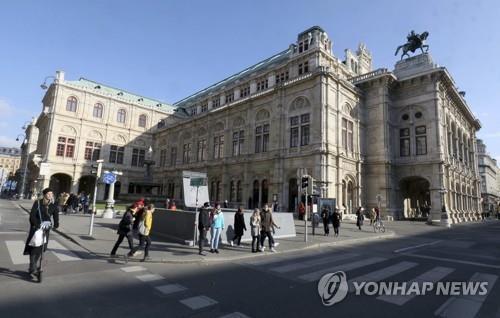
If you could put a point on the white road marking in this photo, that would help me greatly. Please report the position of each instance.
(61, 252)
(434, 275)
(383, 273)
(416, 246)
(453, 260)
(235, 315)
(341, 267)
(467, 306)
(170, 288)
(131, 269)
(198, 302)
(313, 262)
(16, 249)
(149, 277)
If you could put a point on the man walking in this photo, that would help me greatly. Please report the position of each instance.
(267, 225)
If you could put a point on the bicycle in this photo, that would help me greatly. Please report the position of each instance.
(378, 226)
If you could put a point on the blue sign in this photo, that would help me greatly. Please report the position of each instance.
(109, 178)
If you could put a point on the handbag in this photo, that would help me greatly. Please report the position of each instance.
(38, 239)
(142, 228)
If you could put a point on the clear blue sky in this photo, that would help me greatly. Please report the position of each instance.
(170, 49)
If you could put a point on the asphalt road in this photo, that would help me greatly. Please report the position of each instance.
(76, 284)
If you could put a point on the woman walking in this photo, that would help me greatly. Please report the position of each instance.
(239, 226)
(255, 230)
(145, 225)
(336, 222)
(218, 226)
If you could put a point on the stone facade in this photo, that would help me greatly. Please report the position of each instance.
(10, 159)
(402, 139)
(488, 171)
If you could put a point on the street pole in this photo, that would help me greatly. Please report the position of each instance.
(24, 173)
(94, 209)
(196, 217)
(305, 219)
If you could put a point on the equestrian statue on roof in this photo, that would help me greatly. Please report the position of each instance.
(414, 41)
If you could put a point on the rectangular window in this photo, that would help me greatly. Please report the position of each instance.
(303, 67)
(229, 97)
(245, 91)
(301, 47)
(202, 150)
(186, 153)
(350, 138)
(92, 150)
(421, 140)
(304, 135)
(404, 142)
(265, 138)
(262, 85)
(216, 102)
(294, 136)
(61, 146)
(116, 154)
(70, 147)
(138, 157)
(194, 110)
(282, 77)
(258, 139)
(163, 157)
(173, 156)
(218, 147)
(204, 107)
(238, 142)
(344, 133)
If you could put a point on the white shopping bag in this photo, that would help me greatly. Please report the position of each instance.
(37, 239)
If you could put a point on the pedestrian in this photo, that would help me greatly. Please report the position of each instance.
(239, 227)
(43, 210)
(226, 204)
(372, 216)
(377, 215)
(218, 227)
(61, 201)
(302, 210)
(359, 218)
(203, 226)
(267, 226)
(138, 215)
(325, 215)
(255, 230)
(173, 207)
(336, 222)
(125, 230)
(84, 201)
(145, 226)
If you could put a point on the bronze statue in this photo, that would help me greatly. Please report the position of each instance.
(415, 41)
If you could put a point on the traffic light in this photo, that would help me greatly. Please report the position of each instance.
(305, 183)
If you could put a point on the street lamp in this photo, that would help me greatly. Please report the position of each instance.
(21, 195)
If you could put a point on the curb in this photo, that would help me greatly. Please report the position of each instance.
(201, 259)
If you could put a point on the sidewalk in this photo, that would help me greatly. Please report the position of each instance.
(75, 227)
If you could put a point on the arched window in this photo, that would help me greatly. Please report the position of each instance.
(98, 110)
(71, 104)
(121, 115)
(142, 121)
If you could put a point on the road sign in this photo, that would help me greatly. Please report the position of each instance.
(109, 178)
(198, 182)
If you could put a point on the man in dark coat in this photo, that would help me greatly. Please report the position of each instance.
(267, 224)
(203, 226)
(42, 210)
(239, 227)
(336, 221)
(125, 230)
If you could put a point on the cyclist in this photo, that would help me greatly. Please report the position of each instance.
(42, 213)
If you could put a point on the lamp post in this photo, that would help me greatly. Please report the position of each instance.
(21, 195)
(110, 178)
(44, 84)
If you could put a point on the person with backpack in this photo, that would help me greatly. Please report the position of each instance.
(145, 226)
(239, 227)
(125, 230)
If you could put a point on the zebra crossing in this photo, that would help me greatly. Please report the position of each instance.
(171, 289)
(311, 268)
(15, 249)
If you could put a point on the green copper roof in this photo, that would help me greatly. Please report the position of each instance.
(277, 58)
(120, 94)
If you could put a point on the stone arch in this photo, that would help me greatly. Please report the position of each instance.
(262, 115)
(219, 126)
(140, 142)
(60, 182)
(96, 135)
(238, 122)
(347, 108)
(68, 130)
(299, 103)
(120, 139)
(415, 191)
